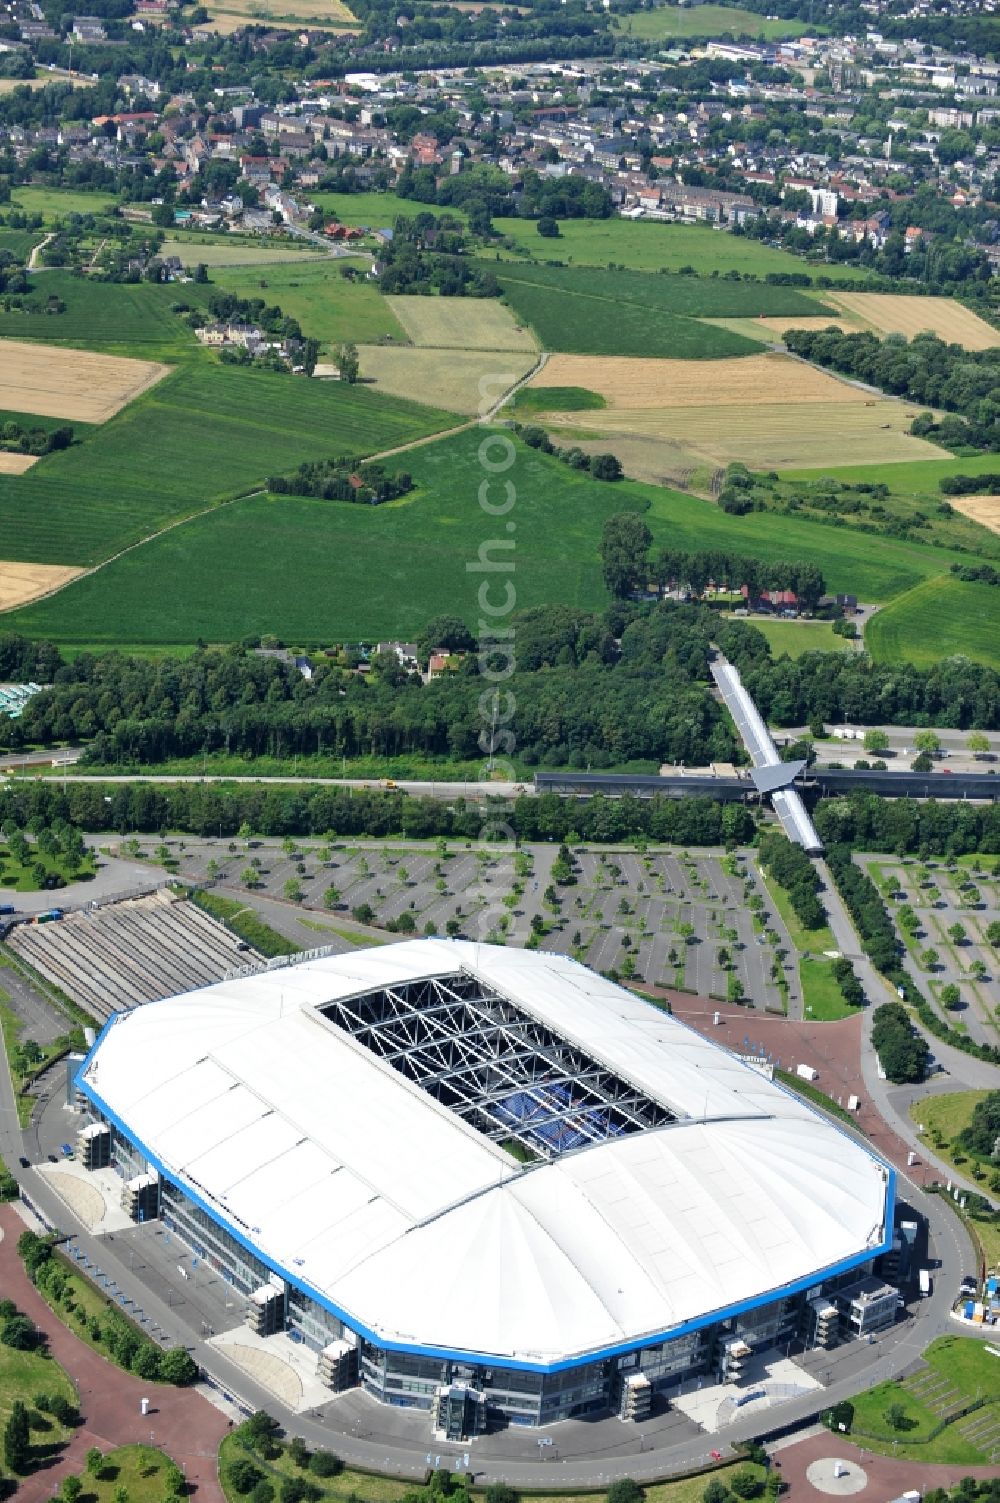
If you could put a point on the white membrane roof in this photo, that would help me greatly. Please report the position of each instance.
(418, 1230)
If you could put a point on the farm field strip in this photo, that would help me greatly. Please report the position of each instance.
(57, 382)
(773, 436)
(326, 569)
(265, 12)
(204, 435)
(452, 379)
(894, 313)
(769, 330)
(125, 318)
(461, 324)
(636, 384)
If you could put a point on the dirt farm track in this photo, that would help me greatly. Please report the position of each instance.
(73, 384)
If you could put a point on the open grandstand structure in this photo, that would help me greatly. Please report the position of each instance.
(118, 955)
(484, 1182)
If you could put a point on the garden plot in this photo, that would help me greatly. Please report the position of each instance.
(945, 914)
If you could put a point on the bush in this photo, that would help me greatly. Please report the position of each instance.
(177, 1366)
(244, 1476)
(325, 1464)
(746, 1485)
(19, 1332)
(625, 1490)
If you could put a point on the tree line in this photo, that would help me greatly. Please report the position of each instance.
(341, 480)
(628, 566)
(925, 370)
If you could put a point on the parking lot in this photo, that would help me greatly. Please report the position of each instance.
(700, 922)
(942, 911)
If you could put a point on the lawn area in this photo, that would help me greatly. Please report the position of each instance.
(120, 318)
(22, 1376)
(943, 1118)
(201, 436)
(55, 203)
(233, 250)
(245, 922)
(600, 312)
(796, 637)
(806, 941)
(940, 617)
(373, 211)
(664, 22)
(822, 999)
(16, 876)
(647, 245)
(326, 571)
(967, 1366)
(140, 1470)
(328, 306)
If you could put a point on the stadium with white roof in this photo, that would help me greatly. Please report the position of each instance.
(483, 1182)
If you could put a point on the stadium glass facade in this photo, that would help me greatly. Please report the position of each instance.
(412, 1379)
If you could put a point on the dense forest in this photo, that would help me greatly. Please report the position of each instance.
(925, 370)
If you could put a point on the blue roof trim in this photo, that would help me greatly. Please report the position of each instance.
(493, 1359)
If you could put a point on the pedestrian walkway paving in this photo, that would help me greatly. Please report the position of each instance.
(180, 1421)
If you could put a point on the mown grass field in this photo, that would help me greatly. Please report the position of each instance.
(461, 323)
(374, 211)
(945, 1116)
(324, 570)
(796, 637)
(665, 22)
(228, 250)
(22, 1375)
(918, 478)
(328, 306)
(466, 382)
(938, 618)
(56, 203)
(648, 245)
(19, 242)
(203, 435)
(119, 318)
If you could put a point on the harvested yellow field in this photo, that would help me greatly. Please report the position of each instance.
(654, 384)
(461, 323)
(55, 382)
(462, 381)
(768, 435)
(982, 509)
(16, 464)
(284, 13)
(890, 314)
(21, 583)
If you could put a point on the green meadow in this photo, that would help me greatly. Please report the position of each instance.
(939, 618)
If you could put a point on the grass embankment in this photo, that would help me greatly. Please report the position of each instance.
(24, 1376)
(350, 1484)
(966, 1372)
(943, 1118)
(25, 1058)
(822, 999)
(246, 923)
(815, 1097)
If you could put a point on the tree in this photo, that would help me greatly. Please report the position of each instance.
(624, 548)
(927, 741)
(177, 1366)
(548, 227)
(331, 897)
(715, 1492)
(348, 362)
(244, 1476)
(993, 933)
(929, 959)
(94, 1461)
(957, 934)
(895, 1417)
(325, 1464)
(16, 1438)
(20, 1333)
(876, 740)
(293, 890)
(951, 997)
(71, 1489)
(977, 742)
(606, 467)
(625, 1490)
(363, 913)
(746, 1485)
